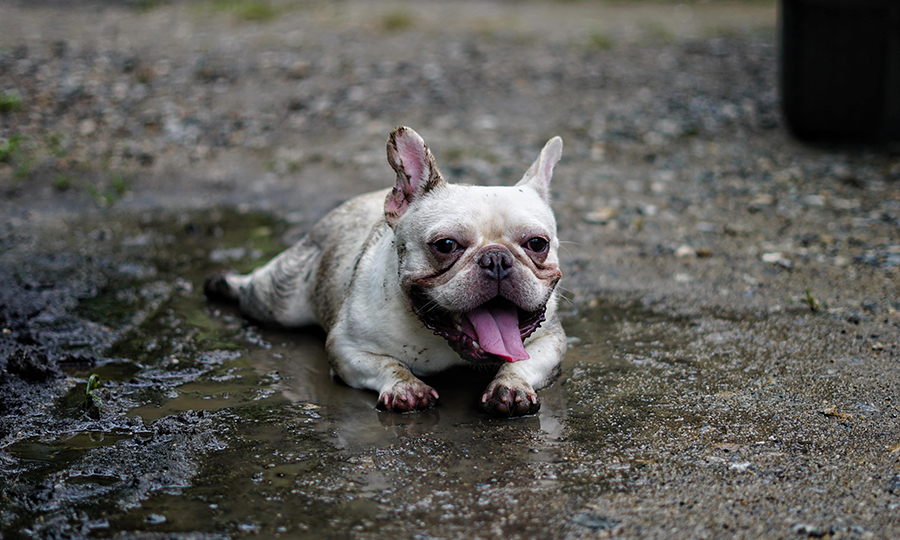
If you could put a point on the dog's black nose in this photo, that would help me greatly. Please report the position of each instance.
(497, 263)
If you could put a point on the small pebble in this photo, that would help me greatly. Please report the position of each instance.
(155, 519)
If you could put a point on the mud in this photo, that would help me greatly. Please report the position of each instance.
(731, 294)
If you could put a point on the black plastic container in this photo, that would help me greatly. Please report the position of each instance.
(840, 69)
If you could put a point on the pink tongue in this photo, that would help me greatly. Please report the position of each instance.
(497, 330)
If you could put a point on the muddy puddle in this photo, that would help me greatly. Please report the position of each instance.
(196, 420)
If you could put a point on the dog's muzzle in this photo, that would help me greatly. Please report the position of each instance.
(493, 332)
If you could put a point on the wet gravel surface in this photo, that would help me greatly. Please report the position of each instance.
(732, 292)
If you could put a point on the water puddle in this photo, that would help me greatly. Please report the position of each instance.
(285, 449)
(43, 457)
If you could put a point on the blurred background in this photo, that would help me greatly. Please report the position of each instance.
(105, 98)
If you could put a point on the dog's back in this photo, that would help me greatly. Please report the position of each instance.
(306, 284)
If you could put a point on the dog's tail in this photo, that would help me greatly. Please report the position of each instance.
(277, 292)
(216, 287)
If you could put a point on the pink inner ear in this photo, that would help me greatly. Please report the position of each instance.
(548, 170)
(394, 205)
(412, 155)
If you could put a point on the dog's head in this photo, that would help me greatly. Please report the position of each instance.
(477, 264)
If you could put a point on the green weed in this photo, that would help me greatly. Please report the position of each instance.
(11, 101)
(118, 186)
(145, 6)
(24, 168)
(600, 40)
(397, 21)
(812, 302)
(9, 148)
(247, 10)
(90, 396)
(54, 144)
(62, 182)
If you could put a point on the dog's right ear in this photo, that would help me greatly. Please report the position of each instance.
(416, 171)
(541, 171)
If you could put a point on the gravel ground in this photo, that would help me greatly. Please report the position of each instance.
(776, 263)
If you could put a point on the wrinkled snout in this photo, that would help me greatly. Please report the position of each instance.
(496, 262)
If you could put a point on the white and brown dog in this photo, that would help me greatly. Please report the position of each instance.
(422, 277)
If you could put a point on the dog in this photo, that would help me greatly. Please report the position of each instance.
(413, 280)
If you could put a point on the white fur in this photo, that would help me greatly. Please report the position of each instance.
(351, 272)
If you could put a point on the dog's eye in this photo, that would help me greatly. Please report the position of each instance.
(445, 246)
(537, 244)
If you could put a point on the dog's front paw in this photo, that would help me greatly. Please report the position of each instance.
(510, 398)
(408, 396)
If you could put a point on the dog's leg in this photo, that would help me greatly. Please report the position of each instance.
(276, 292)
(398, 389)
(512, 392)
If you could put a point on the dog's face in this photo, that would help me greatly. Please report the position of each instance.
(477, 264)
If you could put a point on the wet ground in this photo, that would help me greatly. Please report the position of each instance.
(731, 293)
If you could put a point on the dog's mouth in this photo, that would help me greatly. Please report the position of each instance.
(492, 332)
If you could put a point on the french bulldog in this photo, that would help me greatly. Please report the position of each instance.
(412, 280)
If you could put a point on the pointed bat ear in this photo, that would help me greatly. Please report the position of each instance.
(416, 171)
(541, 171)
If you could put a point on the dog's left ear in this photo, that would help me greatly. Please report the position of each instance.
(541, 171)
(416, 171)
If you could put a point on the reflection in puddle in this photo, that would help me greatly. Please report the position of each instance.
(61, 452)
(349, 414)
